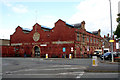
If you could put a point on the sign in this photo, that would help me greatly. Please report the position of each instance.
(72, 49)
(64, 49)
(70, 56)
(87, 48)
(94, 61)
(111, 40)
(117, 45)
(16, 44)
(62, 42)
(43, 45)
(46, 56)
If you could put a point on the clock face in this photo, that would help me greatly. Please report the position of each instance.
(36, 36)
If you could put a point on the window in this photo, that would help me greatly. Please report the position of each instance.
(78, 37)
(94, 40)
(91, 40)
(87, 39)
(83, 38)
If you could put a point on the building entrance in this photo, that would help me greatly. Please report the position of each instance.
(37, 51)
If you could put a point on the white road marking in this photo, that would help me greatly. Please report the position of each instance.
(100, 73)
(61, 66)
(79, 76)
(66, 73)
(10, 72)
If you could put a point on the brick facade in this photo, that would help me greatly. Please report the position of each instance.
(60, 41)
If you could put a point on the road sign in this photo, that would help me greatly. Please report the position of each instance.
(64, 49)
(94, 61)
(70, 56)
(46, 56)
(87, 48)
(111, 40)
(117, 45)
(72, 49)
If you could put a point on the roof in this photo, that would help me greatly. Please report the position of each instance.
(89, 32)
(70, 25)
(74, 25)
(27, 30)
(45, 28)
(95, 32)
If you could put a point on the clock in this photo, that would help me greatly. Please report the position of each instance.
(36, 36)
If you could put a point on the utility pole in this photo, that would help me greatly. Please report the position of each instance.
(111, 32)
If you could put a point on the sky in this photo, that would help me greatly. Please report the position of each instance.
(25, 13)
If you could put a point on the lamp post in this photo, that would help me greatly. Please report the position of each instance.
(111, 31)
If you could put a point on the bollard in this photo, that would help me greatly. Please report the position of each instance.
(46, 56)
(70, 56)
(94, 61)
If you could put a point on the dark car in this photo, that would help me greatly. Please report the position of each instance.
(107, 56)
(117, 57)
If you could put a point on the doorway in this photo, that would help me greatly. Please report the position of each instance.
(37, 51)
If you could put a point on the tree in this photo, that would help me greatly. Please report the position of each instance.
(117, 32)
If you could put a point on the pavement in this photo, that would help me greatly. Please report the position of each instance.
(104, 67)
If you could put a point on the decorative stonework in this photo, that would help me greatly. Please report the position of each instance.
(36, 36)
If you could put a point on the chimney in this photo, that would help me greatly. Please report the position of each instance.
(99, 32)
(108, 35)
(83, 24)
(104, 36)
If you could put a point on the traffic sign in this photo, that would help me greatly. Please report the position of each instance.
(64, 49)
(72, 49)
(111, 40)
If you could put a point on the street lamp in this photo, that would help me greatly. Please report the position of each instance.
(111, 31)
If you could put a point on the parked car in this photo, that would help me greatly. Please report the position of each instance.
(117, 57)
(97, 52)
(108, 55)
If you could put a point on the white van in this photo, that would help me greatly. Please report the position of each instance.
(97, 52)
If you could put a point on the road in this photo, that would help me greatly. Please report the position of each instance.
(52, 68)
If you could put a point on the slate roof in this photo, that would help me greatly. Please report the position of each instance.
(74, 25)
(95, 32)
(45, 28)
(27, 30)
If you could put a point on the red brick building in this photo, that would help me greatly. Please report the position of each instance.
(5, 49)
(107, 44)
(61, 40)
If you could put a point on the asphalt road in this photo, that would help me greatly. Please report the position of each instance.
(52, 68)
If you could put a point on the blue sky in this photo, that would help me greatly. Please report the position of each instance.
(26, 13)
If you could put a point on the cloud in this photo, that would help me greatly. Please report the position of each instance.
(17, 8)
(20, 9)
(48, 20)
(96, 15)
(7, 3)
